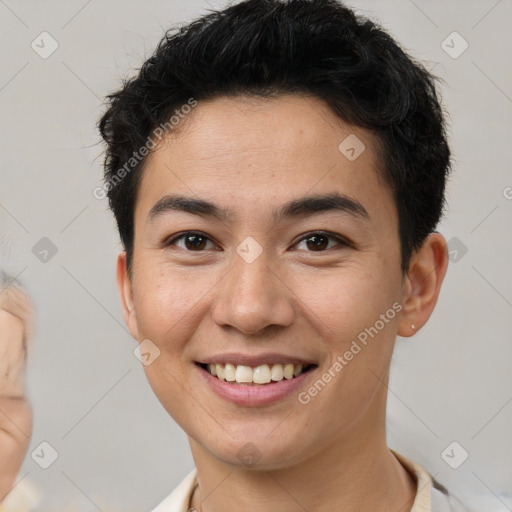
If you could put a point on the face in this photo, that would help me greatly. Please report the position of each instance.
(259, 244)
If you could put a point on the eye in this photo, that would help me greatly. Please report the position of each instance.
(320, 241)
(191, 241)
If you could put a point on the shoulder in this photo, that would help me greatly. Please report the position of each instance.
(430, 497)
(25, 495)
(441, 502)
(179, 499)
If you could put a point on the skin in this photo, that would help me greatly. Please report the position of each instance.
(15, 411)
(251, 156)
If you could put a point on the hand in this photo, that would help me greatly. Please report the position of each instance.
(15, 411)
(12, 355)
(15, 431)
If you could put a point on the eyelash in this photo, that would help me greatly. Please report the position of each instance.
(339, 240)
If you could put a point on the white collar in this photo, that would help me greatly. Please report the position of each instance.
(426, 495)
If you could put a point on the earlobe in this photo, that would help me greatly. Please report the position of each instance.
(124, 287)
(422, 284)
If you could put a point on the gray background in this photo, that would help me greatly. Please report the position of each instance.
(118, 449)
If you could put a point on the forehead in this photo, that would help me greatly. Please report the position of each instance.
(251, 152)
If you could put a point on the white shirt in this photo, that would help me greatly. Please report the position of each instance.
(25, 496)
(428, 499)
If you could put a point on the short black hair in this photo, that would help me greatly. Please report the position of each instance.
(268, 48)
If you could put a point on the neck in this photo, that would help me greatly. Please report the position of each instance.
(356, 473)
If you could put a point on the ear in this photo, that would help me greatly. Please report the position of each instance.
(423, 283)
(124, 287)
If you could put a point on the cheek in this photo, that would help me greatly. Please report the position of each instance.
(169, 306)
(169, 302)
(344, 302)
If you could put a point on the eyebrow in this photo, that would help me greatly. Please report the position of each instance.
(296, 208)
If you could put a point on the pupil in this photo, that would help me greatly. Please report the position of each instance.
(195, 242)
(317, 242)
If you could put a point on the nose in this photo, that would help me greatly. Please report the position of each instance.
(253, 297)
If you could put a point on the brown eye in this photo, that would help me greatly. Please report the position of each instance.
(319, 242)
(194, 242)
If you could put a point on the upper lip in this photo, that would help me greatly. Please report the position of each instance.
(255, 360)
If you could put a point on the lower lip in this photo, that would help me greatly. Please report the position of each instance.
(256, 394)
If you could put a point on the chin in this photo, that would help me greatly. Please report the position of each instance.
(256, 453)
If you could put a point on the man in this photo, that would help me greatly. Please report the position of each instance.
(277, 171)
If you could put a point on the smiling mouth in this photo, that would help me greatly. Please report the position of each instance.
(259, 375)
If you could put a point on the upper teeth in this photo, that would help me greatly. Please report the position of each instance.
(262, 374)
